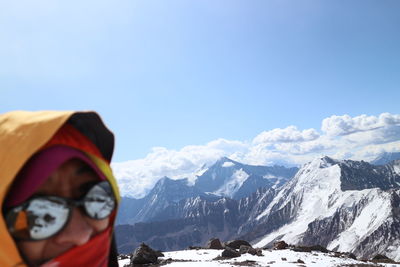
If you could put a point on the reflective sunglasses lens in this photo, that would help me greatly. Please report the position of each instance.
(50, 216)
(99, 201)
(42, 218)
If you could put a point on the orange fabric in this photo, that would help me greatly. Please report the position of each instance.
(22, 133)
(68, 135)
(21, 222)
(93, 253)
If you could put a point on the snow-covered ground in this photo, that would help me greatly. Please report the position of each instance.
(275, 258)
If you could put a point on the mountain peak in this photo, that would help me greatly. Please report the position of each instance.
(322, 162)
(167, 183)
(233, 179)
(225, 162)
(224, 159)
(329, 161)
(163, 181)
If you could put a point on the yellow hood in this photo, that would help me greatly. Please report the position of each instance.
(22, 133)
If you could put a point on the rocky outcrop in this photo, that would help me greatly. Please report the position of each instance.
(145, 255)
(230, 253)
(235, 244)
(250, 250)
(214, 243)
(279, 245)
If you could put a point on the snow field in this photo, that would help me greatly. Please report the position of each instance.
(274, 258)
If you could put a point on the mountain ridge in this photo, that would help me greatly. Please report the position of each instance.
(342, 204)
(223, 176)
(314, 199)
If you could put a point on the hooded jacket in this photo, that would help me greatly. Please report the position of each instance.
(24, 133)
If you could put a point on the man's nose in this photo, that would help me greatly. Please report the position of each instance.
(77, 231)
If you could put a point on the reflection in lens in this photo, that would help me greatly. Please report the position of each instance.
(46, 217)
(17, 222)
(98, 203)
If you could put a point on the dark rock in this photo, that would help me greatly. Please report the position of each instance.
(300, 261)
(235, 244)
(230, 253)
(344, 255)
(253, 251)
(382, 258)
(284, 259)
(246, 249)
(145, 255)
(309, 249)
(159, 253)
(195, 247)
(302, 249)
(338, 254)
(319, 248)
(165, 261)
(351, 256)
(214, 243)
(280, 245)
(123, 256)
(246, 263)
(259, 252)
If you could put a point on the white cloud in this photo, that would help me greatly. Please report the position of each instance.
(137, 177)
(359, 138)
(287, 135)
(259, 155)
(344, 125)
(381, 135)
(372, 151)
(302, 148)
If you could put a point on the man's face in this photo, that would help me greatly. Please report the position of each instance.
(70, 180)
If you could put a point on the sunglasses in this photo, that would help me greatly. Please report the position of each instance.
(42, 217)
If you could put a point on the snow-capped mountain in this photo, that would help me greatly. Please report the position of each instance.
(235, 180)
(359, 175)
(343, 205)
(349, 206)
(166, 192)
(193, 221)
(385, 158)
(225, 178)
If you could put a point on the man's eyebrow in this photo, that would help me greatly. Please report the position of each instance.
(84, 168)
(83, 188)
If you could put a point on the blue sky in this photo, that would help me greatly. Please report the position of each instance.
(167, 76)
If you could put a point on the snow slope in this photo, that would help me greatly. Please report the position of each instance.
(272, 258)
(312, 203)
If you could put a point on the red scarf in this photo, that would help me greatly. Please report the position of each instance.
(94, 253)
